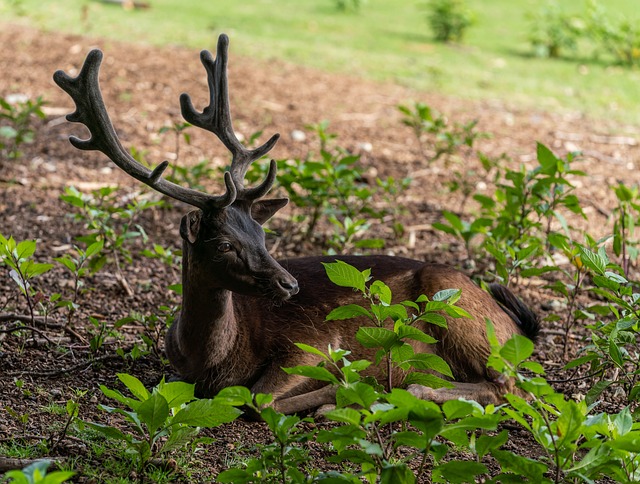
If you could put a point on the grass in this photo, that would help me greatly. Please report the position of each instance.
(385, 40)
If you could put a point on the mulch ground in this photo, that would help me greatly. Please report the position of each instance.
(141, 86)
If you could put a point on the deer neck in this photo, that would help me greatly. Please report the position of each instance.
(207, 328)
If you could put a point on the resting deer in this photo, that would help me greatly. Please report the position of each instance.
(242, 310)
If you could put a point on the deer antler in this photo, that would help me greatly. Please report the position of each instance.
(216, 117)
(90, 111)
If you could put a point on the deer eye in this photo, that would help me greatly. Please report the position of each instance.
(224, 247)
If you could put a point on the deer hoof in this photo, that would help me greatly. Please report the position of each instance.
(423, 393)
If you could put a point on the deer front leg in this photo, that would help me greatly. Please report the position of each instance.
(484, 392)
(294, 393)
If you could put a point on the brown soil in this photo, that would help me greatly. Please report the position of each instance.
(141, 86)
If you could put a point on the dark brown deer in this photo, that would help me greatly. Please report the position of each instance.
(242, 310)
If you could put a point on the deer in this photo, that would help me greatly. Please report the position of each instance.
(242, 310)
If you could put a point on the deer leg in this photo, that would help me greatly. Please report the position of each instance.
(306, 401)
(484, 392)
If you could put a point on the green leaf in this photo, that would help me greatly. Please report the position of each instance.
(346, 415)
(594, 261)
(235, 476)
(348, 312)
(373, 337)
(356, 393)
(533, 366)
(180, 437)
(315, 372)
(569, 424)
(345, 275)
(134, 385)
(413, 333)
(458, 471)
(548, 161)
(176, 393)
(94, 248)
(34, 269)
(68, 263)
(521, 466)
(433, 318)
(397, 474)
(450, 296)
(25, 249)
(154, 412)
(235, 396)
(116, 395)
(517, 349)
(454, 409)
(109, 432)
(382, 291)
(487, 443)
(427, 379)
(312, 350)
(428, 361)
(205, 413)
(594, 392)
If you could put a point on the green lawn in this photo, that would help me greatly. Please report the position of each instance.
(386, 39)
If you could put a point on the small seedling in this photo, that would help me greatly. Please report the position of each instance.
(16, 124)
(161, 420)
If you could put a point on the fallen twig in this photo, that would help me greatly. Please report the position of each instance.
(10, 463)
(72, 369)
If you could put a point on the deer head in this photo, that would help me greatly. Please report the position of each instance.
(224, 236)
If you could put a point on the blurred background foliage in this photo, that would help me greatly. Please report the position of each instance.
(569, 54)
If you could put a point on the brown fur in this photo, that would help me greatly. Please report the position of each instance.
(252, 351)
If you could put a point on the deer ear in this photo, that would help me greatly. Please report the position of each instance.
(190, 225)
(263, 210)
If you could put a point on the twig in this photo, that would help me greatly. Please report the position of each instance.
(28, 328)
(10, 463)
(41, 320)
(23, 318)
(78, 367)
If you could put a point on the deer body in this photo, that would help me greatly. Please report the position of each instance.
(253, 338)
(242, 311)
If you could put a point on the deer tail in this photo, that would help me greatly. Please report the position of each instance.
(526, 319)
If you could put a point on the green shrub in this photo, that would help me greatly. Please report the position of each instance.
(449, 19)
(16, 124)
(553, 31)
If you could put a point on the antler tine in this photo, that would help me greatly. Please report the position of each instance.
(90, 111)
(216, 118)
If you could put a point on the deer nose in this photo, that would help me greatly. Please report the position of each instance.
(289, 285)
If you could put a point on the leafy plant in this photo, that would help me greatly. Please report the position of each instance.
(111, 220)
(348, 5)
(191, 175)
(23, 269)
(433, 130)
(78, 267)
(153, 328)
(553, 31)
(449, 19)
(625, 246)
(391, 344)
(18, 129)
(579, 447)
(280, 461)
(620, 37)
(613, 354)
(160, 421)
(518, 219)
(36, 473)
(332, 187)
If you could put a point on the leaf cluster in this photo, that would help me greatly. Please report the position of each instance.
(162, 420)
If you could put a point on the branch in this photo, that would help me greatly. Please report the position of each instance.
(10, 463)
